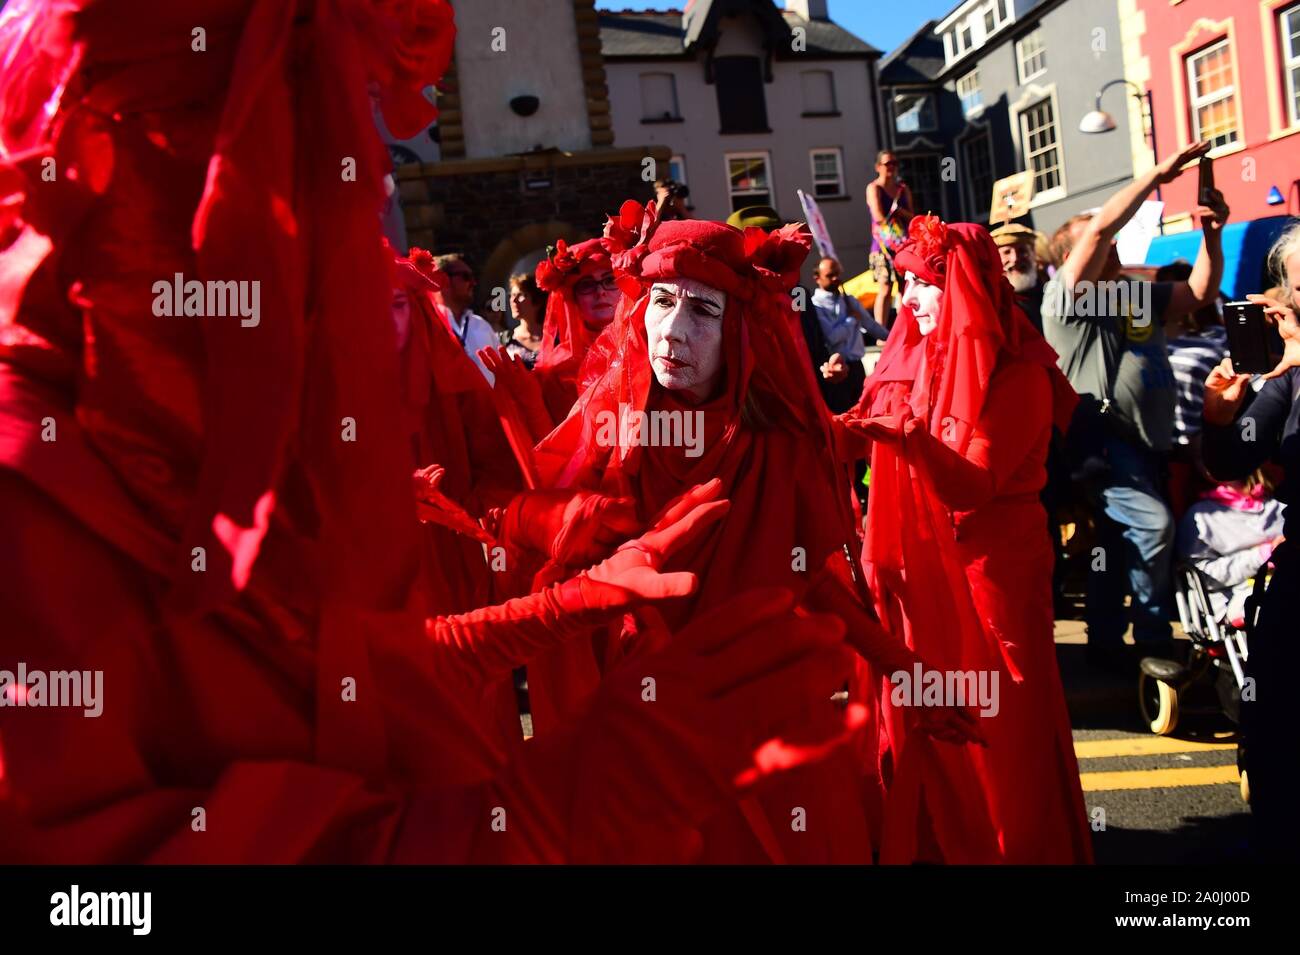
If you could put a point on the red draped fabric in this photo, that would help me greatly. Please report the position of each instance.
(766, 437)
(970, 590)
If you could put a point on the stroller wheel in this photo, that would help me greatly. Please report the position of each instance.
(1159, 702)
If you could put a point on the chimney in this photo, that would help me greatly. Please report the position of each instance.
(808, 9)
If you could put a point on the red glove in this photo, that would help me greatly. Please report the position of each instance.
(492, 641)
(651, 770)
(518, 388)
(572, 528)
(961, 484)
(431, 505)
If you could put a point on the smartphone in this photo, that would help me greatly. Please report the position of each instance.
(1249, 337)
(1205, 181)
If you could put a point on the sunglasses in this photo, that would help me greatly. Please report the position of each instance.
(890, 165)
(460, 274)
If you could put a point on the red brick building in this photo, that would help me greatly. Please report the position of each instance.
(1227, 71)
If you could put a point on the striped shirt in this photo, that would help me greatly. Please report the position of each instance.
(1192, 358)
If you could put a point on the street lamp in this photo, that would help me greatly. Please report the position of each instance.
(1100, 121)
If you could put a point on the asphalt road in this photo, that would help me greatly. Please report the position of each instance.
(1174, 799)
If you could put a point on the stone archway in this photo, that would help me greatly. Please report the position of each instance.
(495, 272)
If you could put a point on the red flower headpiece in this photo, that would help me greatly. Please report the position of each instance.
(565, 264)
(926, 252)
(416, 269)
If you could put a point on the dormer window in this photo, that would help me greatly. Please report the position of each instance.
(972, 29)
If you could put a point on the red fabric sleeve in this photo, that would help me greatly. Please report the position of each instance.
(1016, 412)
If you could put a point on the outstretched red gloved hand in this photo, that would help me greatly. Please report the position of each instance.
(572, 528)
(491, 641)
(515, 386)
(432, 506)
(676, 733)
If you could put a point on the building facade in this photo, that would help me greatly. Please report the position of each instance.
(998, 87)
(1230, 73)
(753, 102)
(525, 145)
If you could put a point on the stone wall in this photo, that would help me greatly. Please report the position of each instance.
(497, 211)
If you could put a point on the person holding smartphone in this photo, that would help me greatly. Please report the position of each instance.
(1244, 428)
(1115, 356)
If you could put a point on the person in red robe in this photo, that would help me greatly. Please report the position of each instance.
(581, 303)
(212, 509)
(458, 449)
(959, 413)
(704, 344)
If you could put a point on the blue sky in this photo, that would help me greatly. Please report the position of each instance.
(882, 23)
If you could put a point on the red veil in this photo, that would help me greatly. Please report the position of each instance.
(566, 339)
(451, 421)
(766, 436)
(911, 556)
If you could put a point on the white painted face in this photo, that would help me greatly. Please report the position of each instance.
(401, 307)
(924, 299)
(683, 324)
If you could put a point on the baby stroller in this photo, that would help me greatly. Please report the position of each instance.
(1213, 675)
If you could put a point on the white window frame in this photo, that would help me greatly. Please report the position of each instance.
(971, 79)
(672, 88)
(762, 154)
(1195, 103)
(924, 149)
(839, 171)
(972, 21)
(1034, 96)
(934, 112)
(1021, 60)
(1290, 64)
(681, 164)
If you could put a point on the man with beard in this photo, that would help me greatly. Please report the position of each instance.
(1020, 265)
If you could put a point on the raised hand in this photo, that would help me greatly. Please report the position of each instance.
(1284, 317)
(432, 506)
(632, 573)
(1224, 392)
(1172, 166)
(517, 390)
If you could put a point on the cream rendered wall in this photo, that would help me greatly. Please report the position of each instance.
(540, 58)
(789, 143)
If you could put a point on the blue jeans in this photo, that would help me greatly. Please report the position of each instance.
(1135, 530)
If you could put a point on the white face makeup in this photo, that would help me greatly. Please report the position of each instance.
(683, 324)
(924, 299)
(401, 310)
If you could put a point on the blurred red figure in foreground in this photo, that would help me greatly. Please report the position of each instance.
(959, 413)
(214, 509)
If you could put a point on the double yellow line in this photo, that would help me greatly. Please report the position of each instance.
(1152, 778)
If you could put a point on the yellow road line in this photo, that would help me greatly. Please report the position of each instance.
(1142, 746)
(1158, 778)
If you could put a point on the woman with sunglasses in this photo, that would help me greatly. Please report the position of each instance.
(890, 201)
